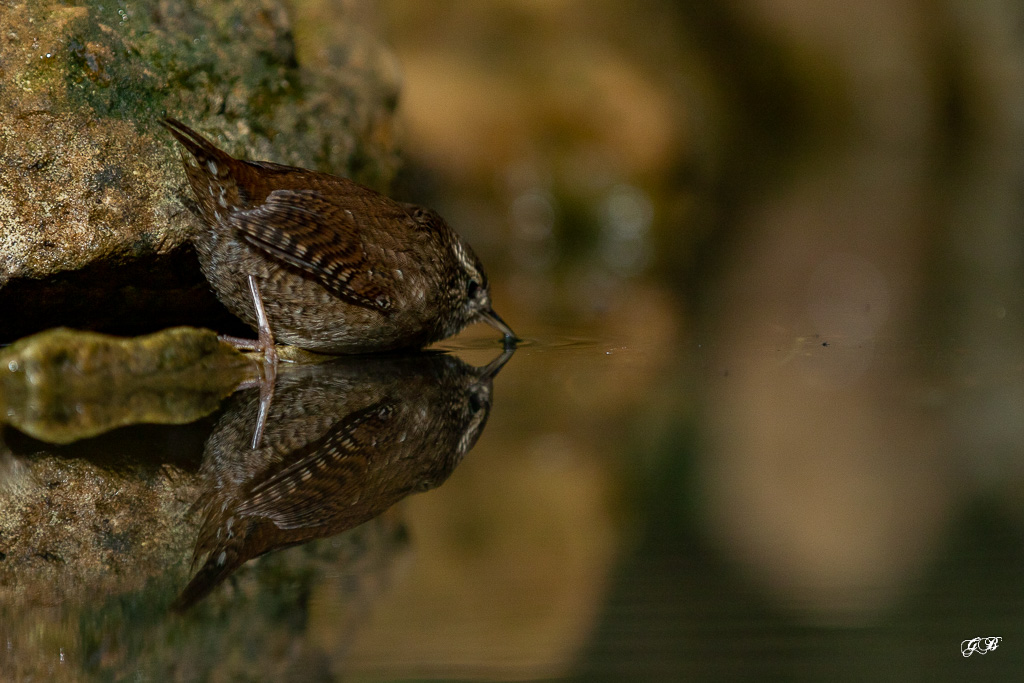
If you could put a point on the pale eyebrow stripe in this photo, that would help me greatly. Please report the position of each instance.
(460, 253)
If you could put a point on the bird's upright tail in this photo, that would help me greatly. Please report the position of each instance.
(212, 172)
(202, 149)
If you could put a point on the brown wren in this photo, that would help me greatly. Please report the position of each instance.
(325, 264)
(344, 441)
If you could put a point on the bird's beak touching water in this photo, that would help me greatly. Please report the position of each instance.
(494, 320)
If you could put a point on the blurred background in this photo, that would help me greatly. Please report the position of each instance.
(767, 419)
(768, 258)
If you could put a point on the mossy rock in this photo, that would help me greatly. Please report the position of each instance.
(86, 174)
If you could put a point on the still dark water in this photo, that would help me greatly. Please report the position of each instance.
(591, 507)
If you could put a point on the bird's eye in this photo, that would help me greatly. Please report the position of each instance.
(472, 289)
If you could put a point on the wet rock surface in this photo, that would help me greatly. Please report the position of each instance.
(63, 385)
(81, 527)
(88, 179)
(106, 514)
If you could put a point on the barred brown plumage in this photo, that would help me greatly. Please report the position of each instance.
(338, 267)
(344, 441)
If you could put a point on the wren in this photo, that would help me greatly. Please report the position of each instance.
(323, 263)
(344, 442)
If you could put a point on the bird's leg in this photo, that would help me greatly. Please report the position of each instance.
(266, 339)
(264, 343)
(266, 384)
(266, 397)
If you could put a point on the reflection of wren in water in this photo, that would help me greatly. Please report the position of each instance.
(342, 443)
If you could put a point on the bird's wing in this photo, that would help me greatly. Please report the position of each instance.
(328, 473)
(320, 234)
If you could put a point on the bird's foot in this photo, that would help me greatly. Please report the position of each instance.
(265, 344)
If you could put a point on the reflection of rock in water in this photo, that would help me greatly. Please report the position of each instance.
(62, 386)
(342, 443)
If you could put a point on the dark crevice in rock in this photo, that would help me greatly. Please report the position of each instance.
(138, 297)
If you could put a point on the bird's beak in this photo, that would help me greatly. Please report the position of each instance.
(494, 320)
(488, 372)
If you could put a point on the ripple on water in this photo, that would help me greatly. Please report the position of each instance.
(543, 343)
